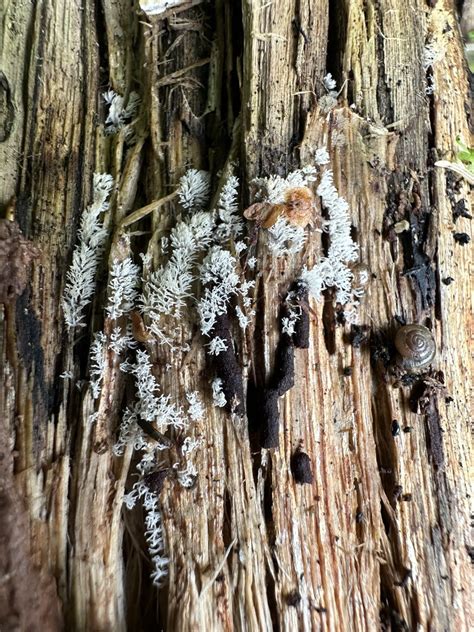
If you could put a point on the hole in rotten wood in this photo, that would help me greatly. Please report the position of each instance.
(227, 522)
(337, 33)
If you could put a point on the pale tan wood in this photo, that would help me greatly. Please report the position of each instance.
(249, 549)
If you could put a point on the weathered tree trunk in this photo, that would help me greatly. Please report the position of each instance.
(380, 538)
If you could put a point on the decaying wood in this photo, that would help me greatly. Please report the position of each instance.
(379, 538)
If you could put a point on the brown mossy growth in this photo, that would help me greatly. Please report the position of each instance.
(16, 254)
(301, 468)
(271, 419)
(228, 369)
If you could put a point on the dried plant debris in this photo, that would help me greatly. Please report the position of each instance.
(16, 255)
(424, 400)
(418, 266)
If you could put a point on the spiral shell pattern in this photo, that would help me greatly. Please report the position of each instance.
(416, 347)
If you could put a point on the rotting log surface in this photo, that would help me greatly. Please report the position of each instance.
(380, 537)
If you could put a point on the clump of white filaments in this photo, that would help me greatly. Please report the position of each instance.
(97, 364)
(160, 414)
(194, 190)
(329, 100)
(120, 115)
(167, 289)
(153, 529)
(231, 223)
(122, 288)
(80, 279)
(218, 396)
(334, 270)
(221, 282)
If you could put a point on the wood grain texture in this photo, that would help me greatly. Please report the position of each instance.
(379, 540)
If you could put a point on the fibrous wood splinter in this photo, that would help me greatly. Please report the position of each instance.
(297, 208)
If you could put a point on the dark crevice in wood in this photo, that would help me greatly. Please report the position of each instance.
(7, 108)
(25, 196)
(103, 78)
(28, 332)
(337, 36)
(227, 519)
(384, 97)
(329, 321)
(418, 267)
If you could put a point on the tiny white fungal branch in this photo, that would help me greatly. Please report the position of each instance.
(120, 340)
(217, 346)
(195, 409)
(167, 289)
(273, 188)
(285, 238)
(153, 408)
(80, 278)
(293, 314)
(157, 411)
(122, 288)
(329, 100)
(118, 115)
(194, 190)
(333, 271)
(153, 529)
(232, 224)
(219, 276)
(97, 363)
(329, 83)
(218, 396)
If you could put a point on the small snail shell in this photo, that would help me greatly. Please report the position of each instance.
(416, 347)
